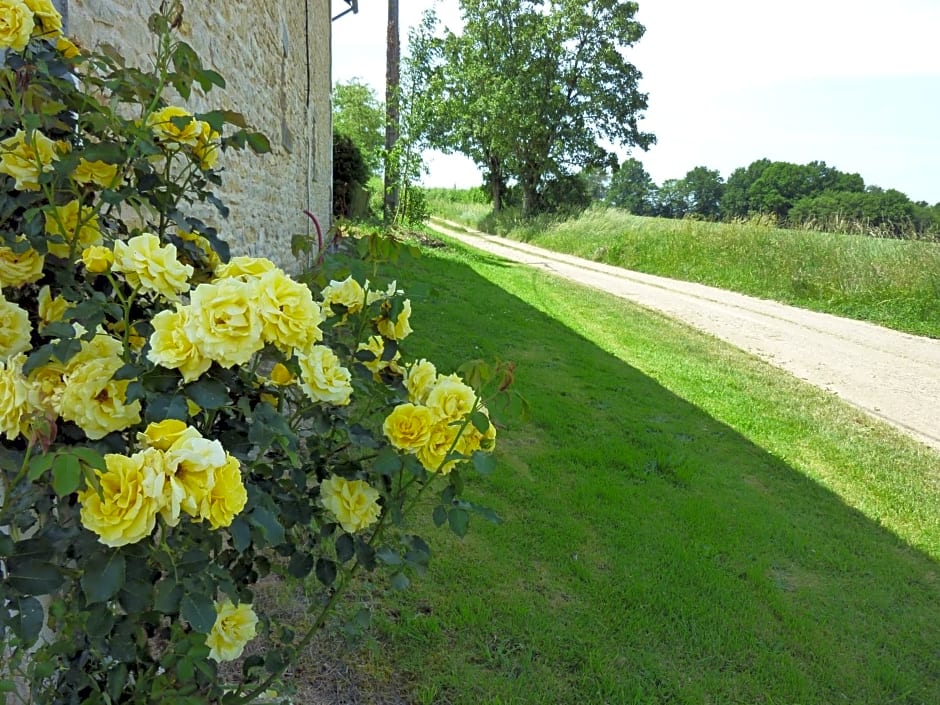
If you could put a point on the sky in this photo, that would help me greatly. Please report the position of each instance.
(853, 83)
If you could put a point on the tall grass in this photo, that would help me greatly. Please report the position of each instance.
(895, 283)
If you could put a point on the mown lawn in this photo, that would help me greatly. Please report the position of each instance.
(682, 523)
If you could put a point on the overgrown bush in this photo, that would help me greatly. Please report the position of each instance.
(179, 424)
(350, 174)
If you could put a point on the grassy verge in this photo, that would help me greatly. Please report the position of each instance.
(895, 283)
(683, 524)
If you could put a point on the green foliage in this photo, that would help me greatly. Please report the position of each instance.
(360, 115)
(527, 91)
(180, 425)
(349, 177)
(631, 188)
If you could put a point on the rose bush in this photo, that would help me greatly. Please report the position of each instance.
(180, 425)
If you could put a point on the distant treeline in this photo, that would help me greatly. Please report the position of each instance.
(814, 196)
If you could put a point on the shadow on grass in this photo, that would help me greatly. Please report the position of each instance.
(650, 554)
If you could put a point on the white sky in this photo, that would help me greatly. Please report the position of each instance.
(854, 83)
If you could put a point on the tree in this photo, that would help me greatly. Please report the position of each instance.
(632, 188)
(360, 115)
(735, 201)
(672, 199)
(392, 102)
(704, 188)
(531, 86)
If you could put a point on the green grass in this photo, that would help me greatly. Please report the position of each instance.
(895, 283)
(683, 523)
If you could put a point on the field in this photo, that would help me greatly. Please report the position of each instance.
(895, 283)
(682, 523)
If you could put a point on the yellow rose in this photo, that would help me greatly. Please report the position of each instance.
(419, 378)
(190, 466)
(323, 378)
(97, 259)
(47, 18)
(170, 125)
(224, 321)
(440, 443)
(234, 627)
(353, 502)
(451, 399)
(408, 427)
(162, 434)
(49, 383)
(348, 293)
(19, 268)
(227, 496)
(207, 146)
(68, 220)
(122, 513)
(377, 295)
(25, 156)
(171, 346)
(51, 309)
(281, 376)
(147, 264)
(15, 329)
(376, 346)
(16, 25)
(400, 328)
(289, 315)
(244, 267)
(94, 401)
(18, 399)
(211, 256)
(67, 48)
(96, 172)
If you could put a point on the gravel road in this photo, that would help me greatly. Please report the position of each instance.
(890, 375)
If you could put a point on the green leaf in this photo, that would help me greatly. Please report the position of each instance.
(128, 372)
(208, 394)
(480, 421)
(459, 521)
(166, 406)
(103, 576)
(440, 515)
(199, 611)
(27, 624)
(387, 462)
(241, 534)
(58, 329)
(267, 523)
(258, 142)
(400, 581)
(388, 556)
(66, 474)
(345, 548)
(33, 577)
(40, 464)
(326, 571)
(300, 564)
(483, 462)
(168, 595)
(39, 357)
(100, 620)
(90, 457)
(108, 152)
(66, 349)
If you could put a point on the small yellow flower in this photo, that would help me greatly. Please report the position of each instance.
(348, 293)
(324, 379)
(354, 503)
(171, 346)
(51, 309)
(69, 223)
(281, 376)
(15, 329)
(97, 259)
(290, 318)
(122, 513)
(208, 146)
(400, 328)
(18, 398)
(227, 496)
(419, 378)
(147, 264)
(25, 156)
(235, 626)
(19, 268)
(171, 125)
(47, 18)
(245, 267)
(96, 172)
(224, 321)
(408, 427)
(162, 434)
(67, 47)
(16, 25)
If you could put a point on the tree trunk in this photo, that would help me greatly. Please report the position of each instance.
(496, 184)
(392, 112)
(529, 195)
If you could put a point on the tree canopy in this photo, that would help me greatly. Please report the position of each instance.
(531, 88)
(360, 115)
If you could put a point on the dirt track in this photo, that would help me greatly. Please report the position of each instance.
(890, 375)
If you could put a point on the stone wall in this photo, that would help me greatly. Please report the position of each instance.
(275, 57)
